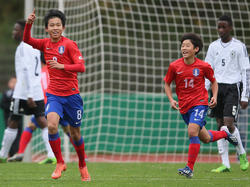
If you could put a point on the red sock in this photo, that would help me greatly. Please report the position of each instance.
(72, 142)
(79, 147)
(216, 135)
(193, 152)
(25, 139)
(56, 148)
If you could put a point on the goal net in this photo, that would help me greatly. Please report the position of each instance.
(127, 46)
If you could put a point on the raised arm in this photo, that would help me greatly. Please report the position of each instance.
(31, 17)
(35, 43)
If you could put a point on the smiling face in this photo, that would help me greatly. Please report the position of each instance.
(224, 29)
(55, 29)
(188, 50)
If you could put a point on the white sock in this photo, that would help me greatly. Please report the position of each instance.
(223, 151)
(239, 148)
(8, 139)
(45, 136)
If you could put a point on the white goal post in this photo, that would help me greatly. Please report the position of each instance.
(127, 46)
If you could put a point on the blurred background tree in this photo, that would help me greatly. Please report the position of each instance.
(10, 11)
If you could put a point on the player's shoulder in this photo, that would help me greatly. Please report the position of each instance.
(203, 63)
(215, 42)
(29, 48)
(68, 41)
(237, 42)
(177, 62)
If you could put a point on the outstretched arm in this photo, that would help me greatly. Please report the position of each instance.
(35, 43)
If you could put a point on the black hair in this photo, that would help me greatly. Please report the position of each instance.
(54, 13)
(21, 22)
(195, 40)
(227, 19)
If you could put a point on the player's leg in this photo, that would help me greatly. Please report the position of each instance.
(230, 112)
(65, 126)
(223, 147)
(55, 143)
(73, 110)
(9, 136)
(79, 147)
(195, 120)
(10, 132)
(242, 124)
(244, 164)
(54, 111)
(41, 122)
(25, 139)
(207, 136)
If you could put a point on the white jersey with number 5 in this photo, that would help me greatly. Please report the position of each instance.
(229, 62)
(28, 73)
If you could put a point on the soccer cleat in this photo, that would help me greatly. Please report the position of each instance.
(243, 162)
(60, 167)
(85, 174)
(186, 172)
(48, 161)
(231, 138)
(16, 157)
(221, 169)
(3, 160)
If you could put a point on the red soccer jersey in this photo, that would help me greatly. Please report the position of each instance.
(65, 51)
(190, 82)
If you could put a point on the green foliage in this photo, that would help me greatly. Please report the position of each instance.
(121, 174)
(10, 11)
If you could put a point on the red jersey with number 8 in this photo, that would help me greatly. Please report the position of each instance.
(63, 82)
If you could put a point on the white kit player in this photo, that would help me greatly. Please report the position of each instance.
(229, 59)
(28, 95)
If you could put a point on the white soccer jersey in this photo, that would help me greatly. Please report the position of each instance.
(28, 73)
(229, 61)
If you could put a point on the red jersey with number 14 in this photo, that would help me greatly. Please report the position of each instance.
(190, 82)
(63, 82)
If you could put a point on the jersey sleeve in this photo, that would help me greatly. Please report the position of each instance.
(209, 73)
(170, 76)
(77, 59)
(209, 59)
(244, 65)
(35, 43)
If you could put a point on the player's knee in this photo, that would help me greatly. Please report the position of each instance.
(52, 128)
(192, 133)
(32, 126)
(206, 140)
(75, 135)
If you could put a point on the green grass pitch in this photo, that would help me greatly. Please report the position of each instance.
(121, 174)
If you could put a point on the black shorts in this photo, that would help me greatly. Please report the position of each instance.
(227, 101)
(20, 107)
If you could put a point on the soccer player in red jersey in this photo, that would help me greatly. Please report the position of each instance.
(64, 60)
(189, 74)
